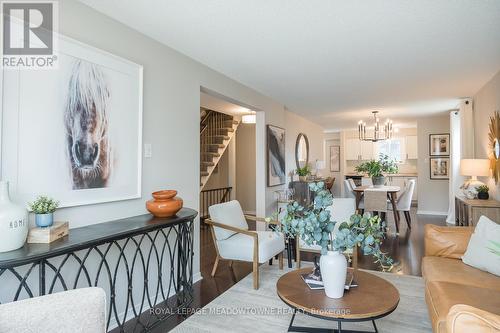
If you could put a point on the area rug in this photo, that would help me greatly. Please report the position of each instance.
(243, 309)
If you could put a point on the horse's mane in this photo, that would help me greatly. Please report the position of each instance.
(87, 89)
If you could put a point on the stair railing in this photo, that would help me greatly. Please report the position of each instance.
(213, 197)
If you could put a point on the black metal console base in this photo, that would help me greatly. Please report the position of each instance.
(141, 262)
(292, 328)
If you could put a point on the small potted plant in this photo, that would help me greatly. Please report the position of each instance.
(303, 173)
(43, 208)
(377, 169)
(482, 192)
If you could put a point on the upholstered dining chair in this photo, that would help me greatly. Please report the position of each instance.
(341, 210)
(349, 192)
(234, 242)
(329, 181)
(404, 201)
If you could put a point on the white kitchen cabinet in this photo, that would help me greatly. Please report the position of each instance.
(367, 151)
(411, 147)
(352, 149)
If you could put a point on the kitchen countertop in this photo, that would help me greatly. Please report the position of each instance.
(393, 175)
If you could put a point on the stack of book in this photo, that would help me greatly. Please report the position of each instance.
(314, 281)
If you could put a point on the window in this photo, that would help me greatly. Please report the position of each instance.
(394, 148)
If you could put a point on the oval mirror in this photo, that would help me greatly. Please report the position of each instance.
(496, 148)
(302, 151)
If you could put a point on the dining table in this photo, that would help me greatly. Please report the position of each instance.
(392, 195)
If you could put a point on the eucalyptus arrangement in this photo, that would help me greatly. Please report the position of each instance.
(43, 208)
(377, 169)
(314, 226)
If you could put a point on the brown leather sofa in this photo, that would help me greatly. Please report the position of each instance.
(459, 298)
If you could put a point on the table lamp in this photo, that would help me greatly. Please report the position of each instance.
(473, 168)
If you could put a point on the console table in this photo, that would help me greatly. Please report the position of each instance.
(141, 262)
(468, 211)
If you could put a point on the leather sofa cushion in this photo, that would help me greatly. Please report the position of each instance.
(441, 296)
(449, 242)
(454, 270)
(464, 318)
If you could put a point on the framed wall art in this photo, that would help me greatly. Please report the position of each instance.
(275, 156)
(74, 133)
(440, 168)
(335, 158)
(439, 144)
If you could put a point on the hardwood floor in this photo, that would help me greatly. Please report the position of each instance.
(407, 250)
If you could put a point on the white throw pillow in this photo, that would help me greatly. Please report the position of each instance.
(228, 213)
(479, 254)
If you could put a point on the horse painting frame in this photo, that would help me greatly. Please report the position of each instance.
(74, 133)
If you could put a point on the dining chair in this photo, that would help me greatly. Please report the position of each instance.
(404, 201)
(329, 183)
(376, 201)
(234, 242)
(341, 210)
(349, 187)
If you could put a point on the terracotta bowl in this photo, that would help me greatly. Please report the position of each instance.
(164, 203)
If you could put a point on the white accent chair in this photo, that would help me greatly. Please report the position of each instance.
(233, 240)
(349, 192)
(404, 201)
(79, 310)
(341, 210)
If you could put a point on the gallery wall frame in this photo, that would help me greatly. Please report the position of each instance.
(40, 157)
(439, 168)
(439, 144)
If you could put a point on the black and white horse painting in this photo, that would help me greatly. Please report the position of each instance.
(86, 123)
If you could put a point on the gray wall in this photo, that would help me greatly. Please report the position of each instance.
(432, 194)
(245, 167)
(485, 102)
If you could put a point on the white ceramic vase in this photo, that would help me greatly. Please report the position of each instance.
(333, 267)
(13, 221)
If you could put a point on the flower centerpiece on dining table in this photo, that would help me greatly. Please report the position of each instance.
(314, 225)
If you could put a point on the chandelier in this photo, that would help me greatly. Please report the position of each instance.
(379, 133)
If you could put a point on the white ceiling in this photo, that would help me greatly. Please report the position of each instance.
(329, 60)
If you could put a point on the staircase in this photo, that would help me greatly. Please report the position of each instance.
(216, 131)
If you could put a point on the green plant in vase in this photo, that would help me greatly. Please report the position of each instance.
(303, 172)
(482, 192)
(314, 225)
(376, 169)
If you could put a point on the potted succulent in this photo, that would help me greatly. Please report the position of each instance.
(43, 208)
(377, 169)
(482, 192)
(303, 173)
(314, 226)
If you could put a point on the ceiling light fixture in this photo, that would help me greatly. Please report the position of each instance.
(249, 119)
(379, 134)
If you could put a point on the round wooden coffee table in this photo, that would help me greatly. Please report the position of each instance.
(374, 298)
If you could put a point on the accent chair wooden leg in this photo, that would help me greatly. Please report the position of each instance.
(216, 263)
(280, 260)
(255, 275)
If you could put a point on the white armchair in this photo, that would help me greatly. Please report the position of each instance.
(233, 240)
(341, 210)
(80, 310)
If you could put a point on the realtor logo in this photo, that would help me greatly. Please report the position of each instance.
(28, 34)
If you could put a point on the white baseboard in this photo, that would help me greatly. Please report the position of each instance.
(197, 277)
(430, 212)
